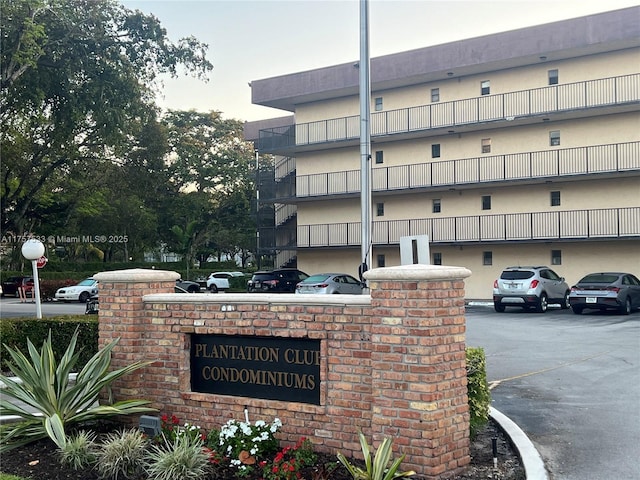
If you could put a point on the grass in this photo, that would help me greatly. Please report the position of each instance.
(4, 476)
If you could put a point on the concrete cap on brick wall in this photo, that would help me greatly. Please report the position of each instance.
(417, 272)
(134, 275)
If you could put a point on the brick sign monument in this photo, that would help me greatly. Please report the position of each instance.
(389, 364)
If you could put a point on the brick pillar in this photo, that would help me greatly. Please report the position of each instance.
(418, 366)
(122, 316)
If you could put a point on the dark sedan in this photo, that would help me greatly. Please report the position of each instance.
(11, 284)
(606, 290)
(189, 286)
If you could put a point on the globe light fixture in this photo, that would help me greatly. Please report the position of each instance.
(32, 250)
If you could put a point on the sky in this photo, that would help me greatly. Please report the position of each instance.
(255, 39)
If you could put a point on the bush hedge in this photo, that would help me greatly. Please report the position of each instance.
(16, 331)
(477, 389)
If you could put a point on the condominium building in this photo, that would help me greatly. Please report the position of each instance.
(516, 148)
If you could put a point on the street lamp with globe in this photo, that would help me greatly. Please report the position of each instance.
(33, 249)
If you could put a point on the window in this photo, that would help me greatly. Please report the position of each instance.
(380, 209)
(435, 95)
(437, 258)
(487, 258)
(485, 87)
(436, 206)
(378, 104)
(381, 262)
(554, 138)
(553, 77)
(486, 202)
(435, 150)
(379, 156)
(555, 199)
(556, 257)
(486, 145)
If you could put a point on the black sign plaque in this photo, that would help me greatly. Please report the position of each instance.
(272, 368)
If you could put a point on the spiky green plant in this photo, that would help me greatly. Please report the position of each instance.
(377, 468)
(48, 402)
(122, 455)
(79, 451)
(184, 458)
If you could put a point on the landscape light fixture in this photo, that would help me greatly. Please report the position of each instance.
(33, 250)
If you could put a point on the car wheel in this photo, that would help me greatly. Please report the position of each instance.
(193, 289)
(577, 310)
(213, 288)
(542, 304)
(498, 307)
(565, 303)
(626, 308)
(84, 296)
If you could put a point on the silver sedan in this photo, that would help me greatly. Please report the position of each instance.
(329, 283)
(606, 290)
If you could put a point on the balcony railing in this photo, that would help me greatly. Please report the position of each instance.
(543, 226)
(505, 106)
(515, 166)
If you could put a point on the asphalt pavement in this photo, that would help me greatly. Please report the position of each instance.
(570, 382)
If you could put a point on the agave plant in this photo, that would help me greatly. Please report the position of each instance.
(377, 468)
(48, 402)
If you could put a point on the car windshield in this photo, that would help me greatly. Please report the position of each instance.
(516, 275)
(599, 278)
(319, 278)
(87, 282)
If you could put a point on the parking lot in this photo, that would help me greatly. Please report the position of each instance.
(571, 382)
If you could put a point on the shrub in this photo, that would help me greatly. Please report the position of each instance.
(288, 462)
(183, 458)
(477, 390)
(79, 450)
(377, 468)
(234, 437)
(122, 455)
(54, 401)
(15, 333)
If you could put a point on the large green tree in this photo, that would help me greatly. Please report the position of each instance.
(211, 167)
(77, 79)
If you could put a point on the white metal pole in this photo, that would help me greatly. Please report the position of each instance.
(36, 288)
(365, 134)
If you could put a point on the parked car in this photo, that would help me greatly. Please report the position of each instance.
(11, 284)
(93, 305)
(81, 292)
(330, 283)
(219, 281)
(283, 280)
(606, 290)
(529, 287)
(189, 286)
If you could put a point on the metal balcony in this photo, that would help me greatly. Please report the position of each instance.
(553, 99)
(601, 224)
(565, 162)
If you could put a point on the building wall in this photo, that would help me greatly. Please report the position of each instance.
(595, 167)
(590, 67)
(578, 259)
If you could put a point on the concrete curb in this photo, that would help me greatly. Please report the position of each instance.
(531, 460)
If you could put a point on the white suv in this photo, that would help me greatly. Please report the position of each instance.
(219, 281)
(528, 287)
